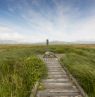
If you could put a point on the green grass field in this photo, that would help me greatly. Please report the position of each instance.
(81, 64)
(20, 67)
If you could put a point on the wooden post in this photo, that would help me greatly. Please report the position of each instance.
(47, 43)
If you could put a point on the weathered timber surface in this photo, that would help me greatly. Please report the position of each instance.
(58, 83)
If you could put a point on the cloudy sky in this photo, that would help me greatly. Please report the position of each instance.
(37, 20)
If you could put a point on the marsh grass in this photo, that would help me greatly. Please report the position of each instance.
(19, 70)
(81, 63)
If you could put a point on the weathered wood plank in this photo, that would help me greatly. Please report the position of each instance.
(58, 82)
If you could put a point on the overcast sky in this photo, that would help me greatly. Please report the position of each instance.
(37, 20)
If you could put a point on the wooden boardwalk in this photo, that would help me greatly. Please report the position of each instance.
(58, 83)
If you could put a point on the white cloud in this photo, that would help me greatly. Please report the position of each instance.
(84, 30)
(7, 33)
(65, 24)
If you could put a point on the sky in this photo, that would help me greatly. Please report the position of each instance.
(57, 20)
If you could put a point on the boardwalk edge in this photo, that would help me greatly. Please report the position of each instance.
(34, 90)
(74, 81)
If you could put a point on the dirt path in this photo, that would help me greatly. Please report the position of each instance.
(57, 83)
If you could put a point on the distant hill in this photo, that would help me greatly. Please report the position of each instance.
(74, 42)
(62, 42)
(43, 43)
(8, 42)
(85, 42)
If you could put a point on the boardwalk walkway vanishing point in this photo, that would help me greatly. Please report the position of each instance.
(58, 83)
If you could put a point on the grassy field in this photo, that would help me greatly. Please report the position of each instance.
(81, 63)
(19, 68)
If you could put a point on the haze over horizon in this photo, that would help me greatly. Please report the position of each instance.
(37, 20)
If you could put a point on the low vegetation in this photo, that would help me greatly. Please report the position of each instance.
(19, 70)
(81, 63)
